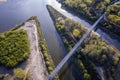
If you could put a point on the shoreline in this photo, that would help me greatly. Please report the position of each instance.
(36, 54)
(108, 32)
(104, 33)
(36, 65)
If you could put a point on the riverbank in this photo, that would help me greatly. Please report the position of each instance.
(107, 31)
(105, 24)
(108, 37)
(44, 49)
(39, 64)
(36, 64)
(67, 26)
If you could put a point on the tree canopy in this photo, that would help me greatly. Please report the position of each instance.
(14, 47)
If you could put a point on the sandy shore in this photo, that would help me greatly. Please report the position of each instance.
(35, 64)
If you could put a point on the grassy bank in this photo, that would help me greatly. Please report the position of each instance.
(93, 50)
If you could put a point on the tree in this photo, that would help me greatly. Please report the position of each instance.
(20, 74)
(86, 76)
(76, 32)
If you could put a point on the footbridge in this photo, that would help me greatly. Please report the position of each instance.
(75, 48)
(68, 56)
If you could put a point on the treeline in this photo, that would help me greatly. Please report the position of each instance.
(94, 49)
(92, 9)
(14, 47)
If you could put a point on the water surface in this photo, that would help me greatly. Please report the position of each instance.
(14, 12)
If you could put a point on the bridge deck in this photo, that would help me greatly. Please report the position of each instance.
(67, 57)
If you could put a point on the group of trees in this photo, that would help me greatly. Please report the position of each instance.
(92, 9)
(94, 48)
(19, 74)
(14, 47)
(69, 42)
(113, 13)
(86, 67)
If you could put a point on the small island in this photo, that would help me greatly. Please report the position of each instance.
(24, 53)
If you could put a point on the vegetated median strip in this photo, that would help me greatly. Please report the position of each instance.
(43, 47)
(107, 52)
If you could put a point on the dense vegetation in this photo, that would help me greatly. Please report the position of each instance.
(113, 13)
(92, 9)
(14, 47)
(94, 49)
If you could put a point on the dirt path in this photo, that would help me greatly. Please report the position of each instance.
(36, 65)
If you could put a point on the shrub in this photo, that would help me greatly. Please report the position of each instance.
(47, 63)
(20, 74)
(46, 55)
(50, 68)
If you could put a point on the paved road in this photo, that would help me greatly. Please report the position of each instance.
(65, 59)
